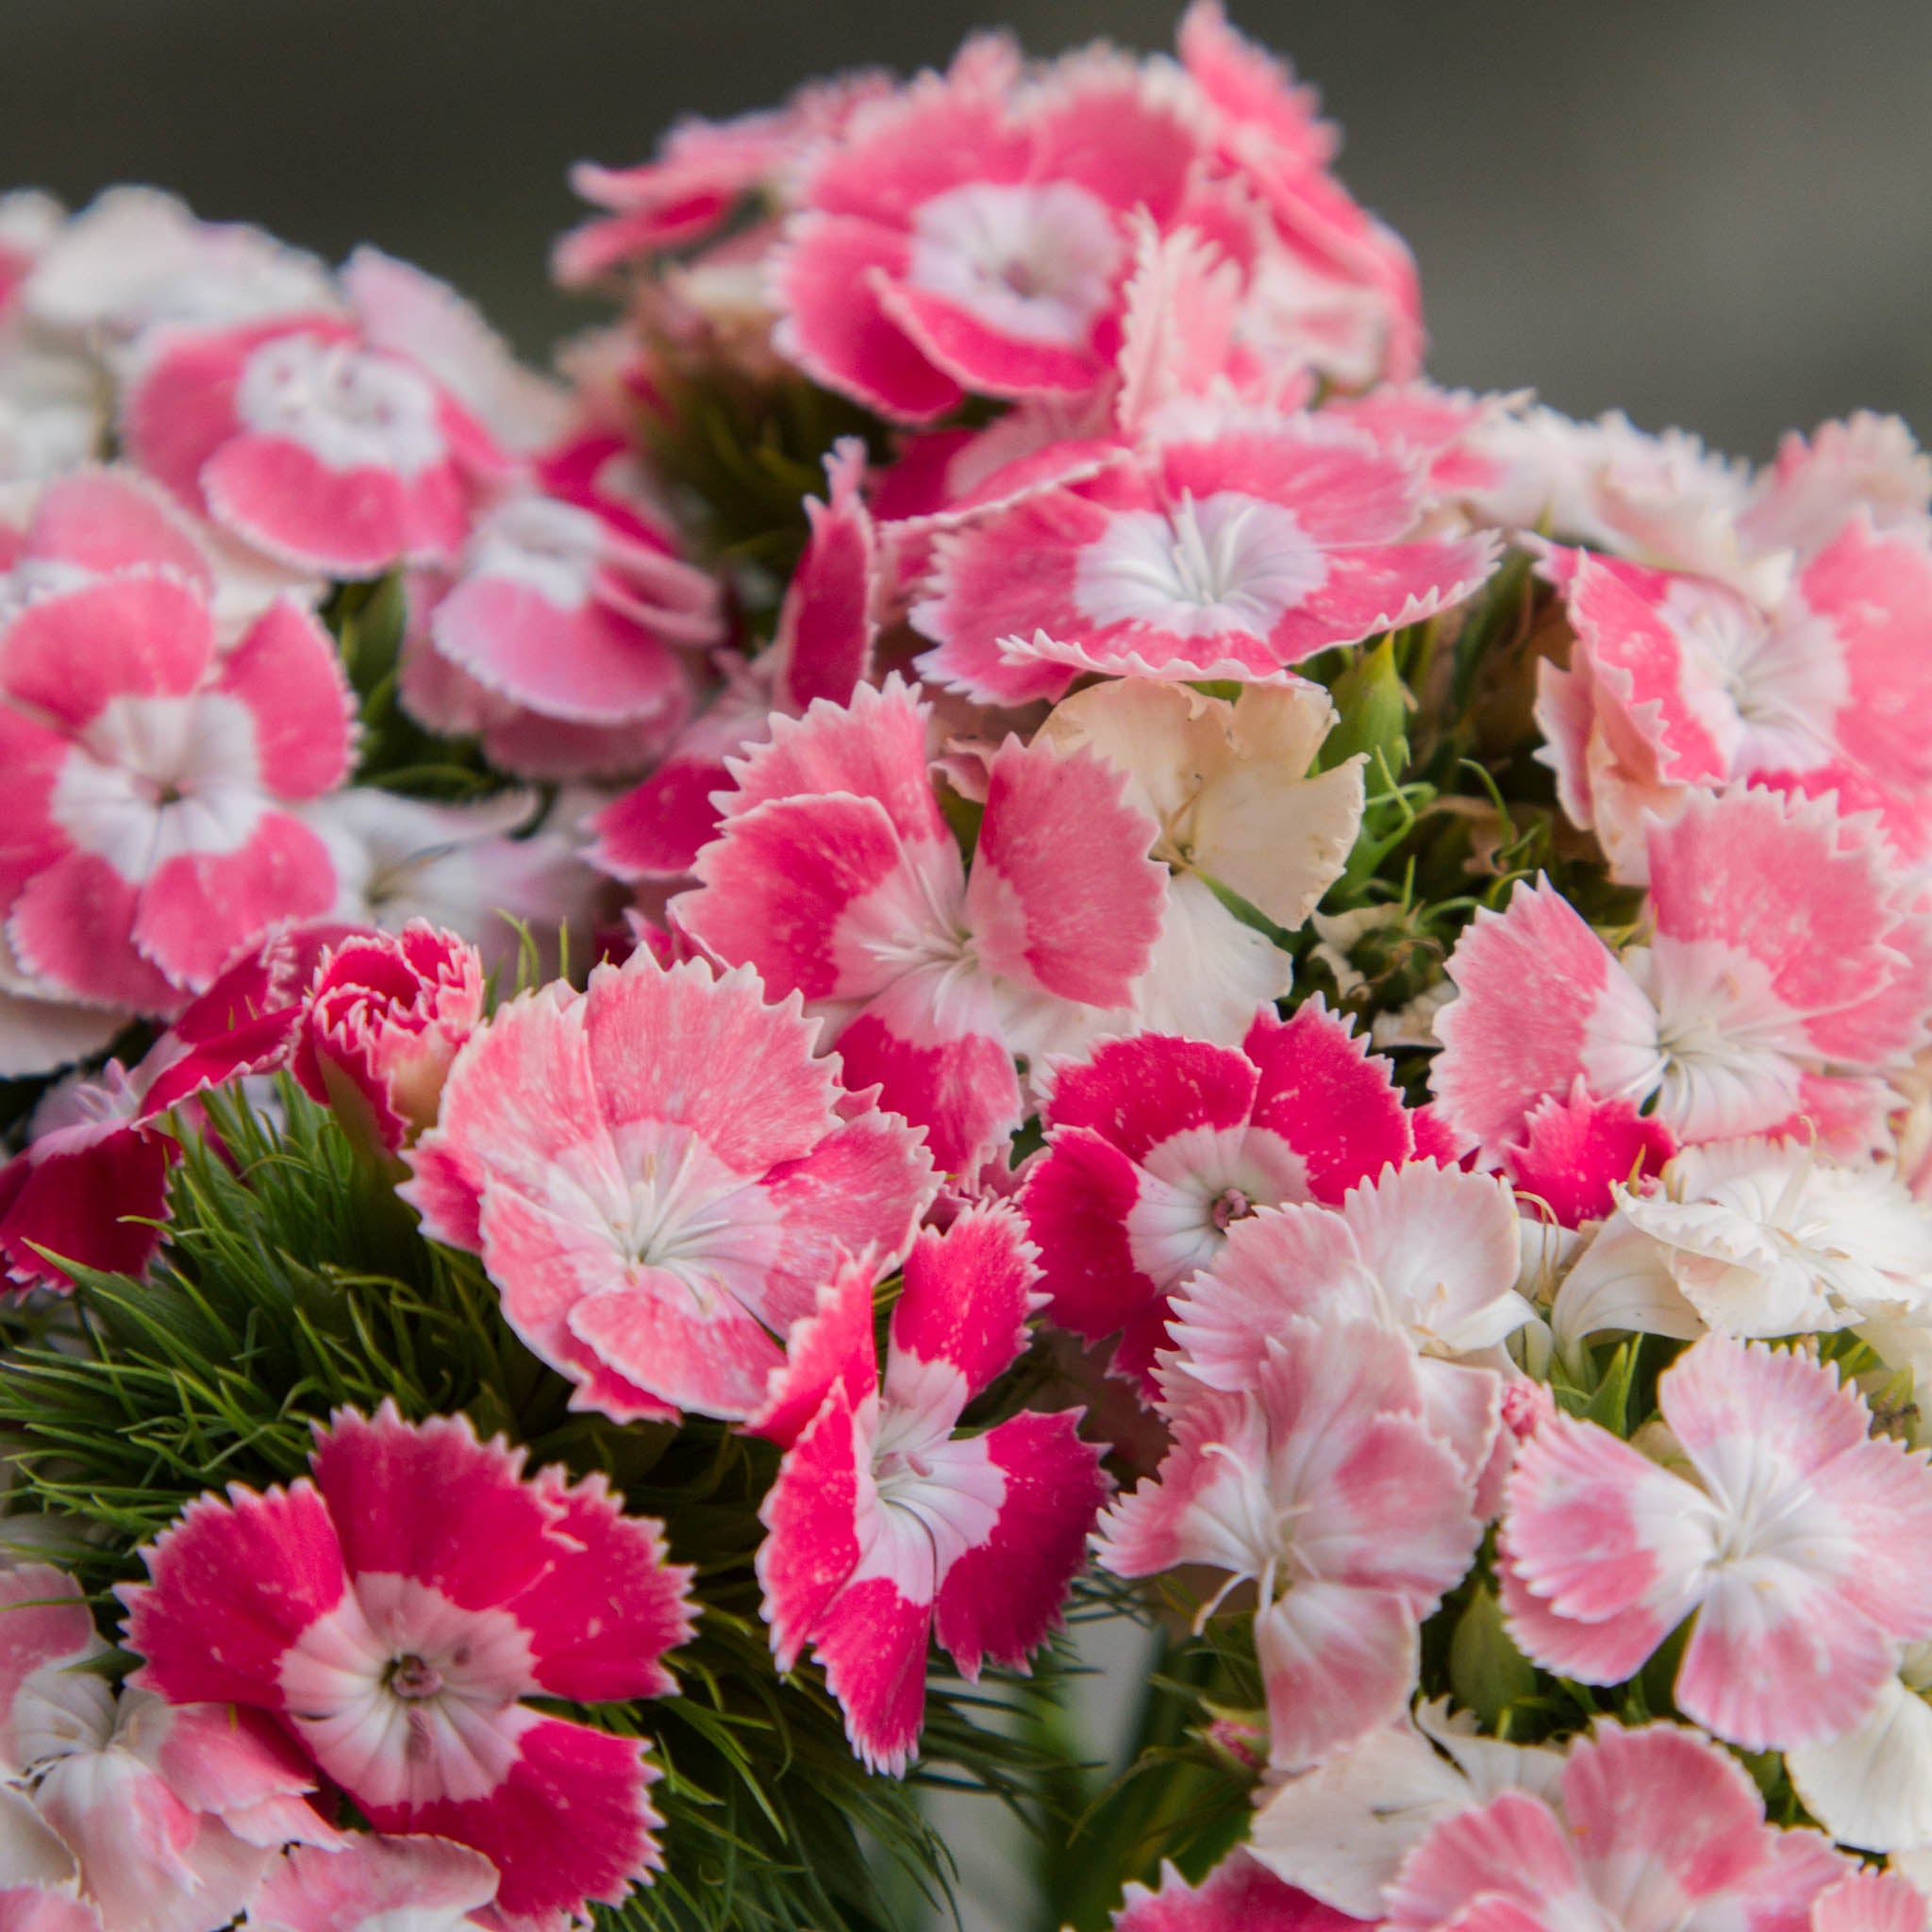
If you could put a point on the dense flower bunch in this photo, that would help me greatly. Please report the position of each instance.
(989, 926)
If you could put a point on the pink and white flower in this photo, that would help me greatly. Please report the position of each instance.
(1784, 972)
(1159, 1146)
(343, 443)
(1790, 1536)
(1871, 1786)
(146, 777)
(1432, 1251)
(162, 1818)
(394, 1610)
(1651, 1830)
(1236, 544)
(888, 1526)
(369, 1884)
(385, 1017)
(966, 236)
(658, 1173)
(1676, 683)
(1321, 1482)
(838, 878)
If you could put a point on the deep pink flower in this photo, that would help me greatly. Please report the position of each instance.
(1787, 969)
(659, 1175)
(1653, 1830)
(837, 877)
(147, 776)
(395, 1611)
(384, 1018)
(1575, 1150)
(888, 1527)
(1235, 544)
(1322, 1482)
(1157, 1146)
(967, 237)
(164, 1818)
(1798, 1540)
(1238, 1896)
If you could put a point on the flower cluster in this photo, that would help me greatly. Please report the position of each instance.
(1147, 968)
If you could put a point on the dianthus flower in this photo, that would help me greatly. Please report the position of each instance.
(1322, 1482)
(889, 1526)
(1798, 1540)
(394, 1609)
(658, 1173)
(837, 877)
(149, 778)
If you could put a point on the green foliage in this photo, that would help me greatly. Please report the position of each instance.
(295, 1282)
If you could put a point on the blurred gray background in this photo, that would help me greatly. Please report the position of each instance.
(1703, 211)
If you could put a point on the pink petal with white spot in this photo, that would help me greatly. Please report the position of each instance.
(428, 1501)
(180, 409)
(1600, 1543)
(197, 908)
(109, 520)
(873, 747)
(72, 925)
(828, 278)
(583, 662)
(1782, 883)
(1003, 1597)
(96, 1198)
(1177, 324)
(872, 1642)
(1062, 895)
(933, 1049)
(610, 1606)
(600, 1782)
(233, 1762)
(1325, 1094)
(67, 655)
(811, 1513)
(1337, 1663)
(1540, 1002)
(831, 1347)
(1575, 1149)
(1077, 1198)
(967, 1296)
(1240, 1894)
(36, 1908)
(356, 1889)
(824, 640)
(233, 1584)
(1819, 483)
(288, 674)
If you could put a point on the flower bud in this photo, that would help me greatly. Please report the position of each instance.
(385, 1017)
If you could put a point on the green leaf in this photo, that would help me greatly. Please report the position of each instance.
(1486, 1672)
(1374, 708)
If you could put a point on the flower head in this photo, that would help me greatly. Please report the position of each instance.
(394, 1610)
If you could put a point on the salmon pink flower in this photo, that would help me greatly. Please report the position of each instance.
(888, 1526)
(966, 236)
(1158, 1146)
(837, 877)
(1796, 1539)
(1236, 544)
(1650, 1830)
(1787, 969)
(392, 1612)
(162, 1818)
(1321, 1482)
(658, 1173)
(384, 1018)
